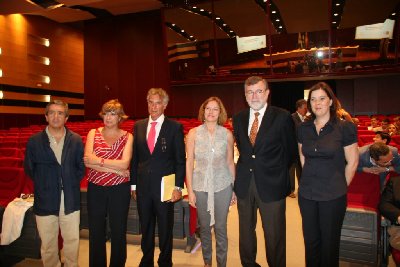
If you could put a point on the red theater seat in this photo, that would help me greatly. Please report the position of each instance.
(364, 191)
(365, 139)
(11, 152)
(11, 162)
(12, 180)
(365, 132)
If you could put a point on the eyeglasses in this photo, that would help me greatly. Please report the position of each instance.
(256, 92)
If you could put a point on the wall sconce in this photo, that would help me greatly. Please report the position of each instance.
(1, 95)
(46, 79)
(47, 98)
(46, 60)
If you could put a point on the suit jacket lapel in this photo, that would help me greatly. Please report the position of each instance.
(142, 133)
(245, 122)
(264, 126)
(162, 134)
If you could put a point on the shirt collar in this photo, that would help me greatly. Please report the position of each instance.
(261, 111)
(159, 120)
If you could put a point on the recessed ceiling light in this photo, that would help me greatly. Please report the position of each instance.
(224, 24)
(217, 18)
(335, 14)
(393, 14)
(337, 4)
(201, 10)
(194, 7)
(173, 24)
(191, 36)
(273, 11)
(334, 22)
(280, 27)
(277, 20)
(182, 30)
(230, 31)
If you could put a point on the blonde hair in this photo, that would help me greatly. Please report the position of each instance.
(158, 91)
(113, 106)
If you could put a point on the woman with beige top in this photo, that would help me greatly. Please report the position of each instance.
(210, 173)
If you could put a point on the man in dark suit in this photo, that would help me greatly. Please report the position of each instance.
(158, 150)
(298, 117)
(267, 147)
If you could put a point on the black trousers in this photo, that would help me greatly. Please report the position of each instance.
(152, 210)
(274, 224)
(110, 202)
(322, 225)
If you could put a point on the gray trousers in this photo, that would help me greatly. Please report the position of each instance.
(222, 201)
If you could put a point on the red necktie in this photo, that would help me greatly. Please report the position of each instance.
(152, 137)
(254, 129)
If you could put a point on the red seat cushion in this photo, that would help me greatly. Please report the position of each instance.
(364, 191)
(12, 180)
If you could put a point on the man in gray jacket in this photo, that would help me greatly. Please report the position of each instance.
(54, 161)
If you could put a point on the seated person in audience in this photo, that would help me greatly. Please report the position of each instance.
(356, 121)
(389, 207)
(396, 122)
(374, 125)
(385, 125)
(392, 130)
(381, 137)
(379, 159)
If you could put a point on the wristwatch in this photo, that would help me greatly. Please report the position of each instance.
(177, 188)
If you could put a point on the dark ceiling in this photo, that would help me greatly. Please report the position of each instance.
(245, 17)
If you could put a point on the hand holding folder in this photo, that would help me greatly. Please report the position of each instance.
(168, 186)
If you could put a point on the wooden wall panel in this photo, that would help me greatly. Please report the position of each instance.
(21, 61)
(124, 57)
(185, 100)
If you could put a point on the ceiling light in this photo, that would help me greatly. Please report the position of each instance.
(191, 36)
(1, 95)
(335, 14)
(230, 31)
(217, 18)
(334, 22)
(1, 75)
(182, 30)
(337, 4)
(0, 50)
(194, 7)
(393, 14)
(46, 42)
(273, 11)
(201, 10)
(173, 24)
(224, 24)
(280, 27)
(277, 20)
